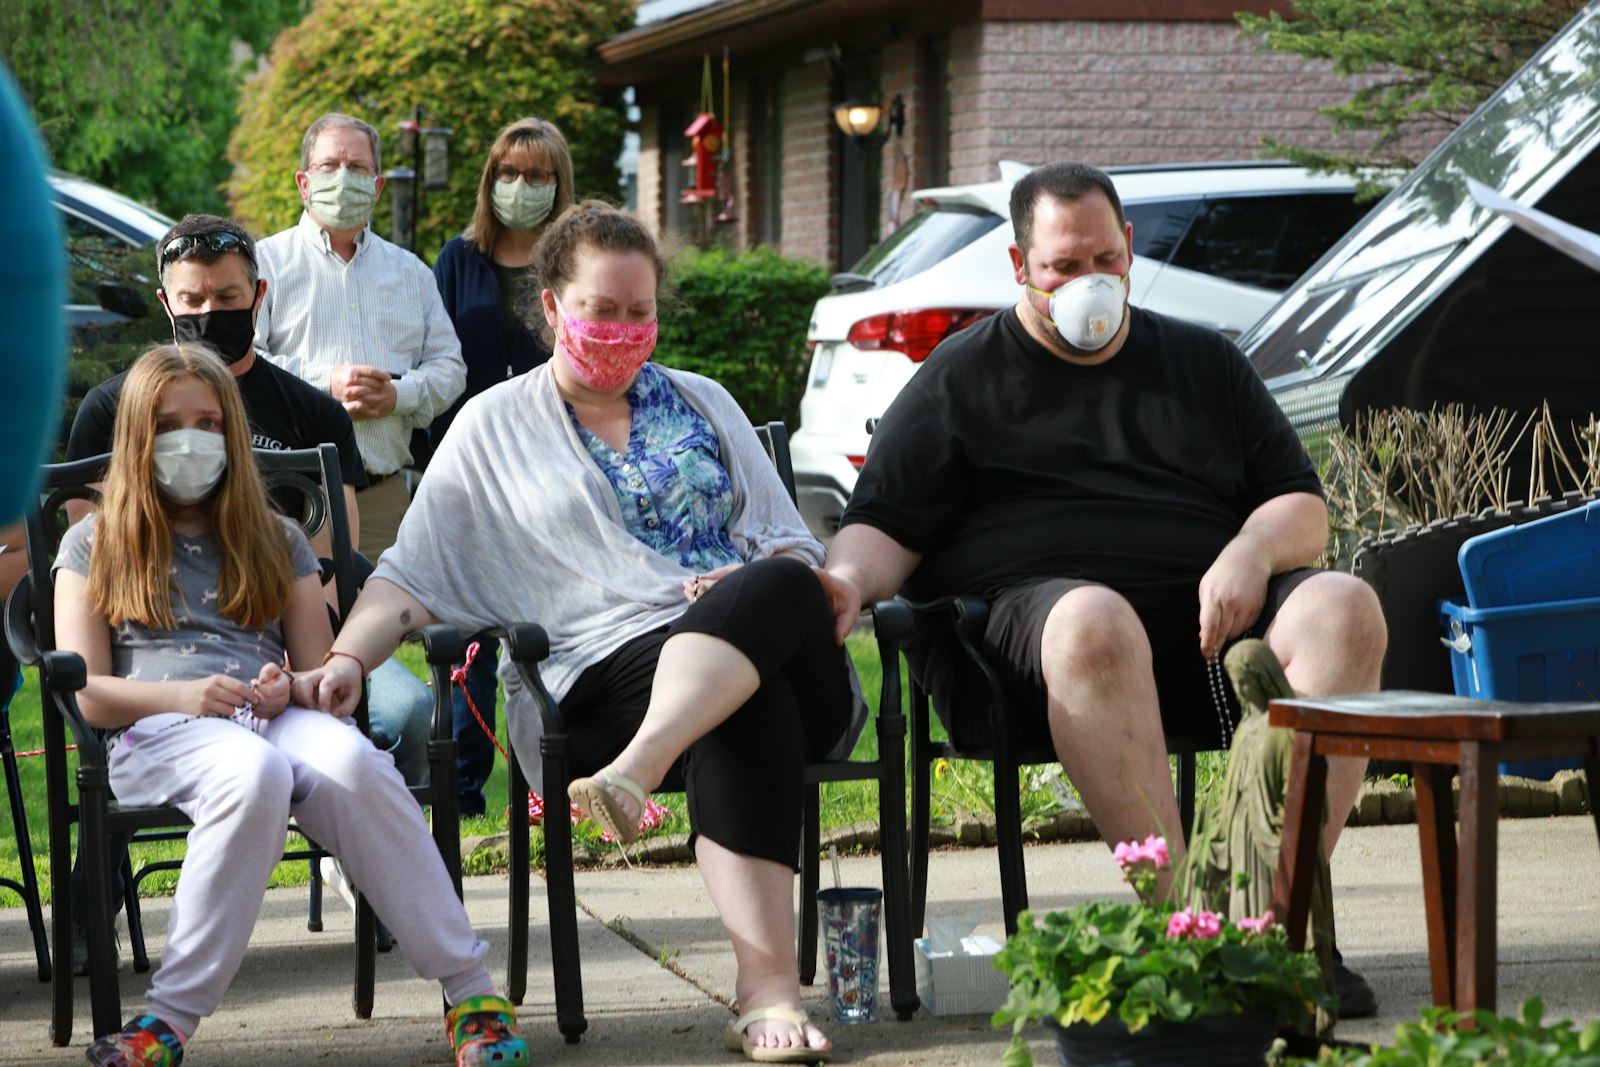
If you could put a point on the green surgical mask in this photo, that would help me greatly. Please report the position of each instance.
(341, 200)
(521, 206)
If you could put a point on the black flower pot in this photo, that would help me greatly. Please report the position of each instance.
(1216, 1041)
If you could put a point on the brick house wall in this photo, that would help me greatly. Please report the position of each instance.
(810, 202)
(1107, 92)
(1115, 93)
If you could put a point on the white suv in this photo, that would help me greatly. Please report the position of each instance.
(1215, 244)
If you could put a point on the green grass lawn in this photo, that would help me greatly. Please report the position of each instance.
(958, 788)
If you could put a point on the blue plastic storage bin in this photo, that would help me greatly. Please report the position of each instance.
(1526, 652)
(1551, 559)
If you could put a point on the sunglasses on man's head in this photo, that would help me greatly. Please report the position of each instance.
(219, 242)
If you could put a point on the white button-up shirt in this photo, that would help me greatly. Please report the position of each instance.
(382, 309)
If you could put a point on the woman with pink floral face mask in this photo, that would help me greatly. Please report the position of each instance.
(630, 509)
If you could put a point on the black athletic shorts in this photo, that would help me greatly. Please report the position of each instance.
(1014, 641)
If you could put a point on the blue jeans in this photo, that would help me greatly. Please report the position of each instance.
(474, 749)
(400, 710)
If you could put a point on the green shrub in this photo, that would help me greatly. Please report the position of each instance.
(1502, 1041)
(741, 319)
(474, 65)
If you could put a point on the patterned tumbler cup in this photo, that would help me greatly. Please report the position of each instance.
(849, 920)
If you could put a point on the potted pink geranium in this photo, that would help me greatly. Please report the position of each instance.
(1150, 983)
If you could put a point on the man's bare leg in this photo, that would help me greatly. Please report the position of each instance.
(1105, 719)
(1330, 637)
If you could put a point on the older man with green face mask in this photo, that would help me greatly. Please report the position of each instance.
(358, 317)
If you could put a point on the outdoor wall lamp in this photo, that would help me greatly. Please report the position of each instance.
(859, 121)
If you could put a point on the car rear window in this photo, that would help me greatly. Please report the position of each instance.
(927, 238)
(1267, 241)
(1159, 225)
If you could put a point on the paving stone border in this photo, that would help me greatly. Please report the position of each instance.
(1381, 802)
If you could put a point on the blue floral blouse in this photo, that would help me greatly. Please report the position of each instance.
(671, 485)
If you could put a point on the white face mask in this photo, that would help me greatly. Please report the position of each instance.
(189, 464)
(342, 199)
(1087, 311)
(520, 206)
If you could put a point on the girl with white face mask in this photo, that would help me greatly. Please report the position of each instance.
(192, 605)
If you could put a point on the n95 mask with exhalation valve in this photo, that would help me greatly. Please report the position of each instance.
(1087, 311)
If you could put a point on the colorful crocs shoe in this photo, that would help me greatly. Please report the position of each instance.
(144, 1042)
(483, 1031)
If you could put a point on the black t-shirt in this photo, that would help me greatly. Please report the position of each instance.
(1001, 463)
(284, 412)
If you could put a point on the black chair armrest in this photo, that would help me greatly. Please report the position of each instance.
(64, 673)
(529, 645)
(443, 644)
(443, 647)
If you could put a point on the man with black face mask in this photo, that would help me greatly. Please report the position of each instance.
(212, 289)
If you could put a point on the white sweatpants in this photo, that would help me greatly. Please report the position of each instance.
(240, 780)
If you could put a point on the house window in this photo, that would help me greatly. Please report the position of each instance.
(936, 110)
(860, 170)
(677, 159)
(766, 127)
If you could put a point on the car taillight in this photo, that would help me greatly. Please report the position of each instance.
(856, 461)
(913, 332)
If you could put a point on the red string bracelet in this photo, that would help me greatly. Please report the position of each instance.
(348, 655)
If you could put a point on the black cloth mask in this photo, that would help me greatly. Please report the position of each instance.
(230, 332)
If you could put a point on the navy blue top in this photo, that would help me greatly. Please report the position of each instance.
(471, 293)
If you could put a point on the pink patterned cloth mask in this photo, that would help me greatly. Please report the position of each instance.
(606, 355)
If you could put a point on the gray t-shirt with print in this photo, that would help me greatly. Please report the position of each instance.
(205, 642)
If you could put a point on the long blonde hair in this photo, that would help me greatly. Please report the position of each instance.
(522, 135)
(129, 569)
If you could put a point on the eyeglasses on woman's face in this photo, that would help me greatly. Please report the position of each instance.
(505, 172)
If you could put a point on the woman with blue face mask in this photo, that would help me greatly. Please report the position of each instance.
(194, 606)
(485, 276)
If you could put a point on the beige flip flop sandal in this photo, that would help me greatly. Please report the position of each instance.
(737, 1040)
(592, 795)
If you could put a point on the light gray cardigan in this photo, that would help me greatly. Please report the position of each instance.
(514, 522)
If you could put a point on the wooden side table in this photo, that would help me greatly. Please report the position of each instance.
(1436, 733)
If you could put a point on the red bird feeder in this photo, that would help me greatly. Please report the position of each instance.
(705, 137)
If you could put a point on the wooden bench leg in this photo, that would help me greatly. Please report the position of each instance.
(1437, 831)
(1475, 919)
(1302, 838)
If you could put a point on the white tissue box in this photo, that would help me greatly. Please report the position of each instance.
(961, 983)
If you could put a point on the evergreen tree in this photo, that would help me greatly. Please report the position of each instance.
(1425, 65)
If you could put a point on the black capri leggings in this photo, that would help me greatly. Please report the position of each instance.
(745, 778)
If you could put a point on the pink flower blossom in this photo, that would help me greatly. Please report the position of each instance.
(1257, 926)
(1206, 925)
(1180, 924)
(1131, 853)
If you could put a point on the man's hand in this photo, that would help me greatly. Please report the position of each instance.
(335, 687)
(216, 695)
(1232, 592)
(844, 597)
(365, 391)
(272, 691)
